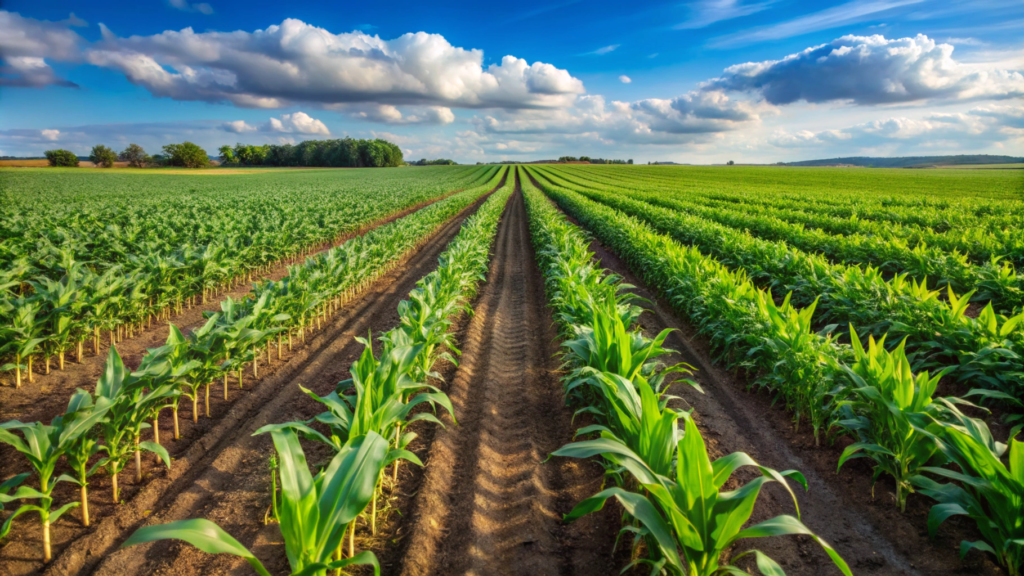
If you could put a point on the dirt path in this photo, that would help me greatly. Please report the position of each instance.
(489, 504)
(205, 449)
(47, 397)
(871, 535)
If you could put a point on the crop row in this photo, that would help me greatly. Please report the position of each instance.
(112, 419)
(899, 197)
(987, 351)
(967, 258)
(42, 316)
(671, 490)
(366, 420)
(868, 392)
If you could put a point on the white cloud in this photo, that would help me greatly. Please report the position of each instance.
(26, 44)
(708, 12)
(870, 70)
(184, 6)
(295, 62)
(238, 127)
(625, 79)
(849, 13)
(606, 49)
(298, 123)
(388, 114)
(692, 117)
(975, 129)
(51, 135)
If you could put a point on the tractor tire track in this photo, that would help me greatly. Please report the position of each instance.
(489, 503)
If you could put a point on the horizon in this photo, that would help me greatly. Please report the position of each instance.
(697, 83)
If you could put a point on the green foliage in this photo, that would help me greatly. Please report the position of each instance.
(186, 155)
(135, 156)
(61, 158)
(346, 152)
(102, 156)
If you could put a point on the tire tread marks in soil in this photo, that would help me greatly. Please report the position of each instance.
(489, 503)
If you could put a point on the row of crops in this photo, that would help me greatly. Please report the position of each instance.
(111, 253)
(105, 429)
(882, 392)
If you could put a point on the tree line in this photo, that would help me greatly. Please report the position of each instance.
(593, 160)
(343, 153)
(346, 152)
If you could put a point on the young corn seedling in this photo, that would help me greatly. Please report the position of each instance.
(892, 412)
(85, 446)
(689, 522)
(314, 512)
(987, 491)
(43, 445)
(130, 407)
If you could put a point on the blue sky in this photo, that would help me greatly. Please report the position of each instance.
(701, 82)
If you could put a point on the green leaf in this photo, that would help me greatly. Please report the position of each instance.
(202, 534)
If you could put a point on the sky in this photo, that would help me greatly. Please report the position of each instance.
(699, 82)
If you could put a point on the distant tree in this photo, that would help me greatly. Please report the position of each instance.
(730, 163)
(102, 156)
(135, 156)
(227, 154)
(65, 158)
(584, 158)
(187, 155)
(630, 161)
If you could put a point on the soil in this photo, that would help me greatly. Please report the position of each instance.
(490, 503)
(210, 459)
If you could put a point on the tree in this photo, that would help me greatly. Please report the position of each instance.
(630, 161)
(65, 158)
(730, 163)
(187, 154)
(102, 156)
(227, 154)
(135, 156)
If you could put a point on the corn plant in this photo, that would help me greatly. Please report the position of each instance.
(130, 408)
(314, 511)
(87, 445)
(986, 490)
(690, 522)
(892, 412)
(43, 445)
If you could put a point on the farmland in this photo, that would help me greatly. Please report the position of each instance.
(514, 369)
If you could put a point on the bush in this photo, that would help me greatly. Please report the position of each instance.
(102, 156)
(65, 158)
(187, 155)
(135, 156)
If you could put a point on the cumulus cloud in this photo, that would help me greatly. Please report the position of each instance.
(26, 44)
(295, 62)
(870, 70)
(238, 127)
(625, 79)
(692, 117)
(296, 123)
(387, 114)
(974, 129)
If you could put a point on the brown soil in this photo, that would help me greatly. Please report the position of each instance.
(489, 503)
(870, 534)
(217, 460)
(48, 395)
